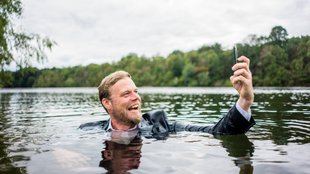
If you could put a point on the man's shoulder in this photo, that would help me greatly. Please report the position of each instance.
(155, 115)
(101, 124)
(155, 124)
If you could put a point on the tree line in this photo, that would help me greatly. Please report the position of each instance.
(276, 60)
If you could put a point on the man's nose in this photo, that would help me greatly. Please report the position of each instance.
(135, 96)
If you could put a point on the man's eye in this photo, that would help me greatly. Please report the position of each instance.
(126, 94)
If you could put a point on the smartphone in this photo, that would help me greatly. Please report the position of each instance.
(235, 54)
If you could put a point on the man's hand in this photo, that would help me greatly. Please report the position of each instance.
(242, 82)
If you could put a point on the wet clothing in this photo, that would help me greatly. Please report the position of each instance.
(155, 123)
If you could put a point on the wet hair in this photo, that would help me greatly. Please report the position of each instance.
(108, 82)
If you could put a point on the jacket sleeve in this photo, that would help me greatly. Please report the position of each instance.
(232, 123)
(91, 125)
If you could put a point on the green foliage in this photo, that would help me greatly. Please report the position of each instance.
(6, 79)
(26, 77)
(17, 46)
(272, 65)
(275, 61)
(278, 35)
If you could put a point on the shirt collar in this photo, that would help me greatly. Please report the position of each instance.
(110, 128)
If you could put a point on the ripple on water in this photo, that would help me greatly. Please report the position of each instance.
(34, 123)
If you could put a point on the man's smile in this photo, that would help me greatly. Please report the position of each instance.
(134, 107)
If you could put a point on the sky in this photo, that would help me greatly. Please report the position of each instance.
(104, 31)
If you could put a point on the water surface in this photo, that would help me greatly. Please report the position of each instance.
(39, 133)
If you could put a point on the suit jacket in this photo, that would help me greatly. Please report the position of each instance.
(155, 124)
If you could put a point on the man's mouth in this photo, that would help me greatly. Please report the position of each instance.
(133, 107)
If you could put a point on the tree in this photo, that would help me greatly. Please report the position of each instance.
(273, 65)
(15, 45)
(278, 35)
(25, 77)
(175, 63)
(299, 53)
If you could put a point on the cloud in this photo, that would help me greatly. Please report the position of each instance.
(100, 31)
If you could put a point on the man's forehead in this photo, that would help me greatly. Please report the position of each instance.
(123, 85)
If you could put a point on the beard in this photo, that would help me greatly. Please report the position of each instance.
(128, 118)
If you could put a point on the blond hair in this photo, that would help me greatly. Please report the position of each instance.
(109, 81)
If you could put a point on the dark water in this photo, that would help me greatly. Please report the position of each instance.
(39, 133)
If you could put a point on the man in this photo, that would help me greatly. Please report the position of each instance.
(119, 96)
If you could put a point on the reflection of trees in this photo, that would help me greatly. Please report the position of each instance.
(6, 163)
(274, 110)
(240, 148)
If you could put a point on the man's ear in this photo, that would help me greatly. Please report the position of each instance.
(106, 103)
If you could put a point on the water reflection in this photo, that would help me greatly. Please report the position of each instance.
(241, 149)
(33, 121)
(7, 162)
(120, 158)
(283, 117)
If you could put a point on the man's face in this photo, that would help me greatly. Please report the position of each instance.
(125, 102)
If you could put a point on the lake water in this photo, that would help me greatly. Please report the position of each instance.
(39, 133)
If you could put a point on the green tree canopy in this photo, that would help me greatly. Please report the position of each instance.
(278, 35)
(15, 45)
